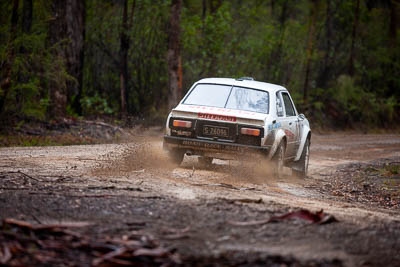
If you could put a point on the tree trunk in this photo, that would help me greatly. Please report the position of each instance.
(77, 50)
(67, 26)
(353, 37)
(27, 9)
(325, 70)
(214, 5)
(123, 53)
(394, 22)
(310, 47)
(275, 73)
(173, 55)
(204, 11)
(393, 71)
(6, 79)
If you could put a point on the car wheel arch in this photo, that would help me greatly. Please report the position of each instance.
(306, 135)
(279, 137)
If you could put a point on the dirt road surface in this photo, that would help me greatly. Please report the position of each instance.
(194, 210)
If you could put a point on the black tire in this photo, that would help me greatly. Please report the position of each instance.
(301, 170)
(279, 159)
(176, 156)
(205, 161)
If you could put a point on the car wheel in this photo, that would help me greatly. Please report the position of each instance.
(303, 161)
(205, 161)
(278, 159)
(176, 156)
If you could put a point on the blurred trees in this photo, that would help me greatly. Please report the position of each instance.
(340, 59)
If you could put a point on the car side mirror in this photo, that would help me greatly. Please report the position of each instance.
(302, 116)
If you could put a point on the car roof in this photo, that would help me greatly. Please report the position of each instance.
(244, 83)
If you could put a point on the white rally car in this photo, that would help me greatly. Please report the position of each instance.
(239, 118)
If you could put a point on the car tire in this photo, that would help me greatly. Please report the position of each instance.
(279, 159)
(205, 161)
(176, 156)
(302, 165)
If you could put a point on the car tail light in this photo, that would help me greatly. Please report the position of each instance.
(249, 131)
(184, 124)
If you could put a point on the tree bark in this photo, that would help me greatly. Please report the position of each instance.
(310, 47)
(394, 22)
(27, 12)
(173, 55)
(325, 70)
(393, 49)
(6, 80)
(77, 50)
(353, 37)
(68, 27)
(214, 5)
(204, 11)
(275, 74)
(123, 53)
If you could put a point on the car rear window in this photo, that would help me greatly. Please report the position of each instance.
(212, 95)
(227, 96)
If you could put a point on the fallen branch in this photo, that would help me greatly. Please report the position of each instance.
(174, 234)
(244, 200)
(23, 224)
(5, 254)
(156, 252)
(250, 223)
(108, 256)
(318, 218)
(15, 188)
(23, 174)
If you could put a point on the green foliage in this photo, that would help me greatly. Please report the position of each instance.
(95, 105)
(34, 67)
(263, 39)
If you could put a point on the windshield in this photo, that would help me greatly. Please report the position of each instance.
(226, 96)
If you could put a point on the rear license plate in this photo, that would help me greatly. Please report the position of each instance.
(215, 131)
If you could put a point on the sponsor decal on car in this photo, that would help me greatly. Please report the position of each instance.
(211, 146)
(210, 116)
(290, 135)
(274, 126)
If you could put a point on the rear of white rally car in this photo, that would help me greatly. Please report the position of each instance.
(238, 132)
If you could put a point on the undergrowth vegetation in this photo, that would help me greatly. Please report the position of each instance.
(340, 60)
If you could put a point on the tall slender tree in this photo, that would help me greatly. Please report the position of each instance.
(123, 53)
(174, 55)
(353, 37)
(310, 48)
(67, 33)
(6, 73)
(27, 13)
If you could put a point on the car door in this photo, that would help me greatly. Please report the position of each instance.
(290, 125)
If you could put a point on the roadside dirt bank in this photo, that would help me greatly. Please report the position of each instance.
(130, 190)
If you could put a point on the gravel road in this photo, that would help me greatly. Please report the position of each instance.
(114, 186)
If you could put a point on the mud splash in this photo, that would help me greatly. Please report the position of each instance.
(138, 157)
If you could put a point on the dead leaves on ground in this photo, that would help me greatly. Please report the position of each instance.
(24, 244)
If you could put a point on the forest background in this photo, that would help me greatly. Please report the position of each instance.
(135, 58)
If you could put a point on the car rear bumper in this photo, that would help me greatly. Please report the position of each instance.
(171, 142)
